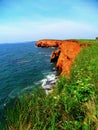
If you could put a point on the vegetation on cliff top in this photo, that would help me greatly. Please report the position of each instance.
(72, 104)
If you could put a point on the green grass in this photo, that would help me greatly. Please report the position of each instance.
(72, 105)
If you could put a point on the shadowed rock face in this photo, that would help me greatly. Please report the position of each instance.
(55, 55)
(64, 55)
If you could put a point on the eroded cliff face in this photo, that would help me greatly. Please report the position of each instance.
(64, 55)
(48, 43)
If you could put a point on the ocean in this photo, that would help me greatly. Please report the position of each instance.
(23, 66)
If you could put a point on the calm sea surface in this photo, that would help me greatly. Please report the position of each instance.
(21, 67)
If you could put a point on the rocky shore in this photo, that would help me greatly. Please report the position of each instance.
(65, 54)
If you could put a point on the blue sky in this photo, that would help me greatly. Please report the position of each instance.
(28, 20)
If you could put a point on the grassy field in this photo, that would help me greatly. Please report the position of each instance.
(71, 105)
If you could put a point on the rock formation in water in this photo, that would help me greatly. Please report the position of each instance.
(64, 55)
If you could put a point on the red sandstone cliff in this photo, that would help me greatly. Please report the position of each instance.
(64, 55)
(48, 43)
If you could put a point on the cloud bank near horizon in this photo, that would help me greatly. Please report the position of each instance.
(50, 30)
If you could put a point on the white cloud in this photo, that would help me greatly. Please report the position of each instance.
(51, 28)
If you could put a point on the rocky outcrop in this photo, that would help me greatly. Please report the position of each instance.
(64, 55)
(48, 43)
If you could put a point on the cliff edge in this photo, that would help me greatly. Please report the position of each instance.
(64, 55)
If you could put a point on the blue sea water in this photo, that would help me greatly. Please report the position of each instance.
(22, 65)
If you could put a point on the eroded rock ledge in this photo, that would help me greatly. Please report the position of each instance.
(48, 43)
(64, 55)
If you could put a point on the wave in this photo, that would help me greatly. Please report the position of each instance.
(48, 82)
(16, 93)
(24, 61)
(21, 61)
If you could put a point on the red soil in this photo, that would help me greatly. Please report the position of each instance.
(64, 55)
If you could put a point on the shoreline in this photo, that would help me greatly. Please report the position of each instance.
(63, 57)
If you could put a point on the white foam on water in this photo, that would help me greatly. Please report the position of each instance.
(18, 92)
(51, 77)
(27, 89)
(24, 61)
(48, 55)
(48, 82)
(13, 93)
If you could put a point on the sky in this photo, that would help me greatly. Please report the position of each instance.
(31, 20)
